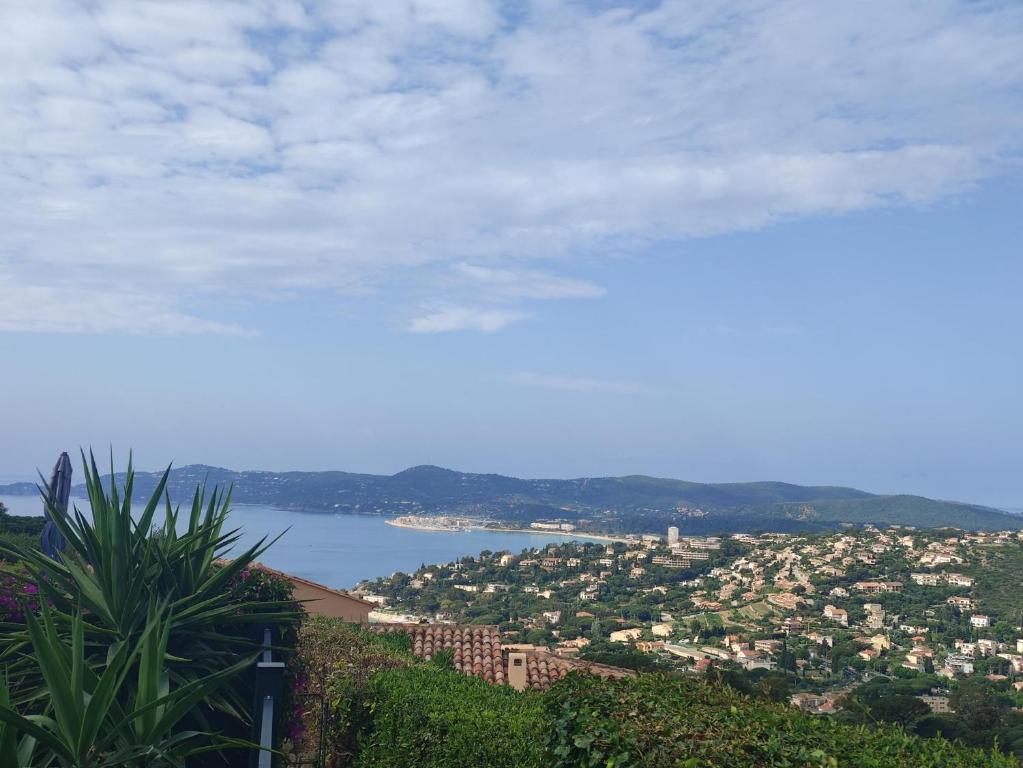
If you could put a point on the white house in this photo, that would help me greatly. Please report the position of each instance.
(626, 635)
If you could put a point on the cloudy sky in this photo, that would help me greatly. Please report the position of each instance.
(720, 241)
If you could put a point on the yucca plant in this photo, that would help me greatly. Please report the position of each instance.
(16, 748)
(116, 565)
(121, 712)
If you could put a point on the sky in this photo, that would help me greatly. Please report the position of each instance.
(718, 241)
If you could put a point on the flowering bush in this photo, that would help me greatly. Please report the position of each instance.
(17, 595)
(254, 586)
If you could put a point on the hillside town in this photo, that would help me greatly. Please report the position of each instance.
(824, 613)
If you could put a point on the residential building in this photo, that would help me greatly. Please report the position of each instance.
(785, 600)
(808, 702)
(988, 647)
(936, 703)
(320, 600)
(839, 615)
(959, 664)
(881, 643)
(650, 646)
(662, 630)
(750, 658)
(625, 635)
(692, 555)
(875, 615)
(877, 587)
(671, 562)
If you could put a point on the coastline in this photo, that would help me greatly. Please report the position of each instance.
(398, 523)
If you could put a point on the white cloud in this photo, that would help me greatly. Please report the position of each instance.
(246, 149)
(578, 384)
(530, 284)
(464, 319)
(35, 308)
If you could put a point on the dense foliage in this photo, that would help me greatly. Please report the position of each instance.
(656, 721)
(19, 530)
(334, 662)
(388, 709)
(12, 524)
(984, 712)
(427, 717)
(998, 581)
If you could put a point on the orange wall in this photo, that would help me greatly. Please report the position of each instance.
(326, 603)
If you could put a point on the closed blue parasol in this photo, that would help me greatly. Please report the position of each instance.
(56, 496)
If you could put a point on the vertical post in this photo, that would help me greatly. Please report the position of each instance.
(269, 685)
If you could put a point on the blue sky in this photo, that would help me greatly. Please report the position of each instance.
(713, 241)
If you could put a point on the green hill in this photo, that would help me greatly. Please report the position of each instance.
(630, 503)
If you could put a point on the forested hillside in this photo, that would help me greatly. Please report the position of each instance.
(633, 503)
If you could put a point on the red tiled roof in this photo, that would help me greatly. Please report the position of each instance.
(477, 650)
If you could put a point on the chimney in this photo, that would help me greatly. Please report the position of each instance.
(518, 677)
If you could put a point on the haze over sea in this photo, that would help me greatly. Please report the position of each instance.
(341, 550)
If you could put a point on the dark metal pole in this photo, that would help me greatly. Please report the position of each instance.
(268, 688)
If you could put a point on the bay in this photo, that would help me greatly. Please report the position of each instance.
(342, 550)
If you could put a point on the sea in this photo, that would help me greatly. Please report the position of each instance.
(342, 550)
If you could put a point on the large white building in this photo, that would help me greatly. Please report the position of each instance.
(672, 535)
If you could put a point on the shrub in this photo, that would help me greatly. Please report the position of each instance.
(433, 717)
(656, 721)
(17, 595)
(387, 708)
(30, 526)
(334, 662)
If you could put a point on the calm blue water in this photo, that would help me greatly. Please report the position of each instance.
(341, 550)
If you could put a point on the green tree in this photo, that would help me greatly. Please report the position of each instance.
(976, 704)
(899, 709)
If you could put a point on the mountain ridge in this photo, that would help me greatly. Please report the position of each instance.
(624, 503)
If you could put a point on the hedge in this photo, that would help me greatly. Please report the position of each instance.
(656, 721)
(427, 716)
(388, 709)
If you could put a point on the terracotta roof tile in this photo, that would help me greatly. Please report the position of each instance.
(477, 650)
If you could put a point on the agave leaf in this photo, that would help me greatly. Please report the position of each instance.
(103, 703)
(52, 658)
(34, 728)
